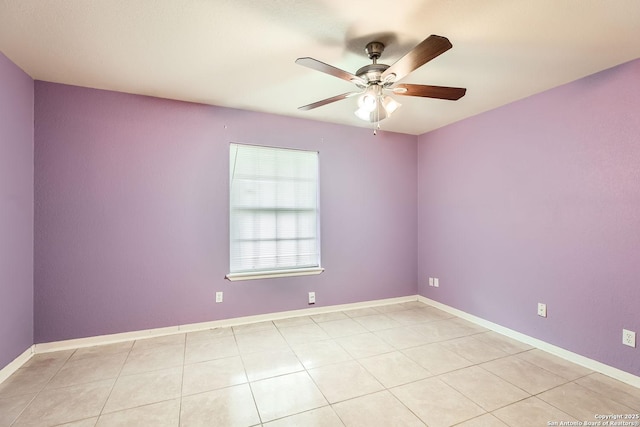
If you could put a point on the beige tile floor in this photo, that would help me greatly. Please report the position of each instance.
(396, 365)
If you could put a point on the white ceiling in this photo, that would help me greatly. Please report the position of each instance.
(241, 53)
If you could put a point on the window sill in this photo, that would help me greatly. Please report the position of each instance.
(273, 274)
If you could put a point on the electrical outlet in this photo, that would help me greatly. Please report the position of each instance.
(312, 297)
(628, 338)
(430, 281)
(542, 309)
(436, 282)
(218, 296)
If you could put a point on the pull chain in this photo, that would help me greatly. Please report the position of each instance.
(376, 124)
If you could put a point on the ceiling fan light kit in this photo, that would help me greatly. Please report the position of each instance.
(374, 106)
(376, 80)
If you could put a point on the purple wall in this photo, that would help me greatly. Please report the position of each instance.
(16, 211)
(539, 201)
(132, 213)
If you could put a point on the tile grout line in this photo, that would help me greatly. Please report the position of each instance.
(23, 409)
(358, 361)
(184, 362)
(581, 386)
(304, 369)
(253, 397)
(114, 383)
(388, 389)
(43, 387)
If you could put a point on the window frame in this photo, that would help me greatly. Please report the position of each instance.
(274, 271)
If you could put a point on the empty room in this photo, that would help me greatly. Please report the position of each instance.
(319, 213)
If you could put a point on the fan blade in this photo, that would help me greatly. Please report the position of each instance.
(327, 101)
(440, 92)
(314, 64)
(430, 48)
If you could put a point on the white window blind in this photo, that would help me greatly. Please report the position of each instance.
(274, 215)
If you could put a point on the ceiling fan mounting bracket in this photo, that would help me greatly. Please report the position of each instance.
(374, 50)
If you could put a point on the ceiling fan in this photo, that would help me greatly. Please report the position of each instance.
(376, 80)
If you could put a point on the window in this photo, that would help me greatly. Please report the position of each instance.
(274, 212)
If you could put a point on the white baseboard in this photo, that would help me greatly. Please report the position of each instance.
(16, 364)
(594, 365)
(150, 333)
